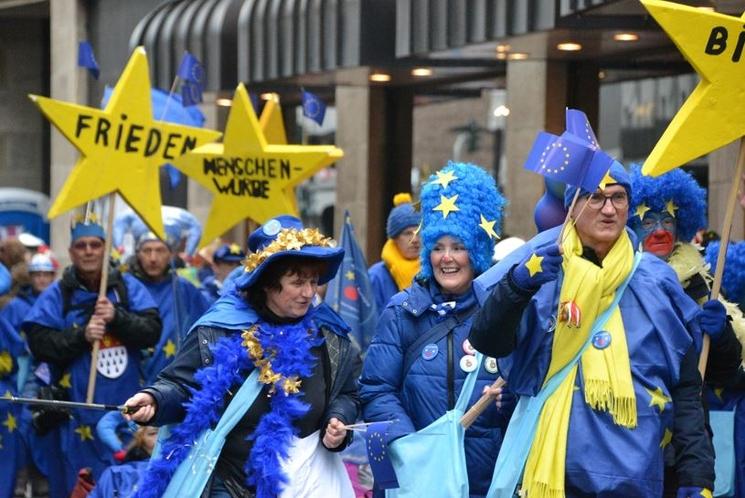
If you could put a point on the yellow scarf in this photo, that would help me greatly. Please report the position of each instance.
(607, 372)
(402, 270)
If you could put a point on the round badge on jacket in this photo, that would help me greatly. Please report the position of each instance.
(467, 348)
(468, 363)
(430, 351)
(490, 364)
(601, 340)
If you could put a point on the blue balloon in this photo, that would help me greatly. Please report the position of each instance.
(549, 212)
(555, 188)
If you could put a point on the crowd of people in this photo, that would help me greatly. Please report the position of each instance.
(585, 341)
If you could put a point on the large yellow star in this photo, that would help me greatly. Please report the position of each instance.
(534, 264)
(447, 205)
(444, 178)
(641, 210)
(169, 349)
(250, 177)
(712, 115)
(85, 433)
(658, 398)
(488, 227)
(122, 147)
(10, 422)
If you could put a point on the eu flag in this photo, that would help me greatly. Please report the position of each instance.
(191, 73)
(349, 293)
(379, 456)
(86, 58)
(313, 107)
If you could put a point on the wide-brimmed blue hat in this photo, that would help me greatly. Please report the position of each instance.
(229, 253)
(285, 236)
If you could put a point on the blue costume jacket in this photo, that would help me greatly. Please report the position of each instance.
(420, 396)
(119, 480)
(604, 459)
(383, 285)
(11, 446)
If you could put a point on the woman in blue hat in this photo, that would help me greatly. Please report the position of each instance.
(264, 384)
(412, 381)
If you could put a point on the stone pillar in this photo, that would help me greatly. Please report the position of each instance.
(722, 165)
(67, 21)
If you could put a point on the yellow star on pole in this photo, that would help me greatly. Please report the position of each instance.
(667, 437)
(65, 381)
(488, 227)
(10, 422)
(447, 205)
(670, 207)
(250, 177)
(641, 210)
(712, 115)
(85, 433)
(122, 147)
(534, 264)
(169, 348)
(658, 398)
(444, 178)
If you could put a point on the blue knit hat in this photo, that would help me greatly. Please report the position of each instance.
(402, 216)
(462, 201)
(230, 253)
(675, 191)
(86, 227)
(616, 175)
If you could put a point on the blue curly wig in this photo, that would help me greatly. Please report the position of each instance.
(733, 278)
(477, 196)
(675, 185)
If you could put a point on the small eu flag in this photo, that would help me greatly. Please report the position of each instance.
(191, 73)
(86, 58)
(313, 107)
(379, 456)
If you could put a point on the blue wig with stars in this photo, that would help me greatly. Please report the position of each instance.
(474, 194)
(677, 186)
(733, 278)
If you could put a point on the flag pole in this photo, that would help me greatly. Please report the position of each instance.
(722, 254)
(560, 238)
(482, 404)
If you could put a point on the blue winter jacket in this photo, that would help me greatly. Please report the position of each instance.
(383, 285)
(419, 397)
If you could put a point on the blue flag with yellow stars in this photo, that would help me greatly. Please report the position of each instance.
(11, 347)
(349, 293)
(379, 456)
(86, 59)
(313, 107)
(191, 74)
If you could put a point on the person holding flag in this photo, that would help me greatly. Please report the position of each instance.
(600, 342)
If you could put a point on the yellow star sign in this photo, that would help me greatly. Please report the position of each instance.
(65, 381)
(670, 207)
(169, 349)
(10, 422)
(488, 227)
(667, 437)
(641, 210)
(712, 115)
(444, 178)
(85, 433)
(447, 205)
(534, 264)
(122, 147)
(250, 177)
(658, 398)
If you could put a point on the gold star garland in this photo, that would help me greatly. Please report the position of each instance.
(290, 385)
(288, 239)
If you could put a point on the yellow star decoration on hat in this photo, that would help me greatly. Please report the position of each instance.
(488, 227)
(667, 437)
(658, 398)
(85, 433)
(641, 210)
(444, 178)
(534, 264)
(122, 146)
(250, 177)
(10, 422)
(712, 115)
(234, 249)
(169, 349)
(670, 207)
(447, 205)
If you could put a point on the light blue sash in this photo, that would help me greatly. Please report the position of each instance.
(521, 431)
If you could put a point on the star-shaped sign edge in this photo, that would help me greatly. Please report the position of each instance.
(134, 176)
(244, 137)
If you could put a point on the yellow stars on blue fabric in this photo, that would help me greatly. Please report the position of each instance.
(65, 381)
(6, 363)
(488, 227)
(447, 205)
(349, 275)
(534, 264)
(670, 207)
(641, 210)
(444, 178)
(667, 437)
(658, 398)
(564, 157)
(10, 423)
(85, 433)
(169, 349)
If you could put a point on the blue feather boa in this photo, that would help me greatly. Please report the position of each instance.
(291, 345)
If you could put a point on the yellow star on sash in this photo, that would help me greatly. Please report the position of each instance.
(712, 115)
(666, 438)
(444, 178)
(658, 398)
(534, 264)
(488, 227)
(670, 207)
(447, 205)
(85, 433)
(349, 275)
(234, 249)
(65, 381)
(122, 146)
(10, 423)
(169, 349)
(641, 210)
(249, 177)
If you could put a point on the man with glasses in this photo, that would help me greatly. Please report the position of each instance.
(600, 342)
(67, 318)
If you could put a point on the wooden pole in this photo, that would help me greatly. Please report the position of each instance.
(482, 404)
(721, 256)
(101, 293)
(560, 238)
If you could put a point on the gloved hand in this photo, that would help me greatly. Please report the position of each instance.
(538, 268)
(712, 319)
(693, 491)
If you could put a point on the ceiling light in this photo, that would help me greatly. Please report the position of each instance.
(626, 37)
(224, 102)
(503, 47)
(517, 56)
(380, 77)
(421, 71)
(569, 47)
